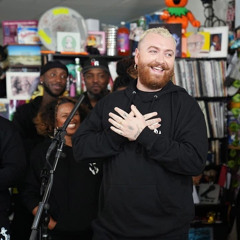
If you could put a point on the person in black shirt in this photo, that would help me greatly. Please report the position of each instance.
(96, 76)
(74, 195)
(153, 139)
(53, 78)
(12, 169)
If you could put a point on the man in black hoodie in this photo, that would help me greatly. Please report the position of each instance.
(153, 139)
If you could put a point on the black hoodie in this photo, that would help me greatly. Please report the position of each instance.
(12, 161)
(147, 183)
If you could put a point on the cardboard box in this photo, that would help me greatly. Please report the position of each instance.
(10, 30)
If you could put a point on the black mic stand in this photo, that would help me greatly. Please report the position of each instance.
(43, 205)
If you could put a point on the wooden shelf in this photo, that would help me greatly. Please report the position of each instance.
(59, 55)
(233, 147)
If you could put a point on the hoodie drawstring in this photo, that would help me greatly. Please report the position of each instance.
(155, 97)
(133, 95)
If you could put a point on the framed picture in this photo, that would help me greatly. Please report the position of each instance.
(218, 41)
(4, 108)
(198, 44)
(24, 55)
(21, 85)
(68, 42)
(201, 233)
(176, 30)
(97, 40)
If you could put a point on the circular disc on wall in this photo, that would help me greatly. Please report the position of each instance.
(61, 19)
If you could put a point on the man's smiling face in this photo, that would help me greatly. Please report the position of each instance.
(155, 58)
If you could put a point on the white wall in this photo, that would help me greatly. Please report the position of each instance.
(237, 17)
(196, 7)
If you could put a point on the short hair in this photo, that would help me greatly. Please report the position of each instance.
(53, 64)
(126, 73)
(160, 31)
(96, 62)
(46, 119)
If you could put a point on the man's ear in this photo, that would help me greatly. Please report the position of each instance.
(83, 79)
(41, 79)
(136, 56)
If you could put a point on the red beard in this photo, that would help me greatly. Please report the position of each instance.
(152, 81)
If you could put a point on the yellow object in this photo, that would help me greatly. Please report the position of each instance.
(44, 36)
(59, 11)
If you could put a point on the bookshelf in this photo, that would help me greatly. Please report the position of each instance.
(204, 79)
(201, 77)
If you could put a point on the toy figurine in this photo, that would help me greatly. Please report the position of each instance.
(177, 13)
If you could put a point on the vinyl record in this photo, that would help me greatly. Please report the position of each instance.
(61, 19)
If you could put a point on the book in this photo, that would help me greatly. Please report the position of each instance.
(28, 35)
(203, 108)
(208, 79)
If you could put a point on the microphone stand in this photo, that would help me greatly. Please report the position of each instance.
(43, 205)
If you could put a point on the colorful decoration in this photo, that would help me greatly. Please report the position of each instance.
(177, 13)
